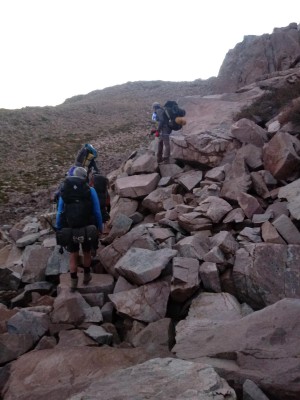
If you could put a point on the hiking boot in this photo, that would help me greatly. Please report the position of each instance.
(74, 283)
(87, 278)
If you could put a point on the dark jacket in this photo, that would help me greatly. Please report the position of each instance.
(163, 126)
(81, 160)
(100, 184)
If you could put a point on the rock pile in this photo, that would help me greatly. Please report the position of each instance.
(196, 284)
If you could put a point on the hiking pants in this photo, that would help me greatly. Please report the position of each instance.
(163, 151)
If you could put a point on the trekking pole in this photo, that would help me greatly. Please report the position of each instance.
(50, 223)
(61, 249)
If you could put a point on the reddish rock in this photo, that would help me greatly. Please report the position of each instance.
(281, 155)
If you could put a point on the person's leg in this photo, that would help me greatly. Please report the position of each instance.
(87, 260)
(73, 269)
(167, 150)
(160, 149)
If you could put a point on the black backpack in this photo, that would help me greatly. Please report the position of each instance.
(172, 111)
(100, 184)
(76, 195)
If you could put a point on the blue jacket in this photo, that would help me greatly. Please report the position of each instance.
(95, 205)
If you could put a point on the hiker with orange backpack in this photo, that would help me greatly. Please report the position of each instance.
(163, 152)
(169, 119)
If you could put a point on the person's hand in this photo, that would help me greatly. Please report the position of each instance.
(152, 132)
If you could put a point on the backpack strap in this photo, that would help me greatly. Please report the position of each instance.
(167, 114)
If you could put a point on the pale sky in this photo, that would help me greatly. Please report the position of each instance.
(55, 49)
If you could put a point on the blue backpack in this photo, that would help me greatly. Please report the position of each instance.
(86, 155)
(91, 149)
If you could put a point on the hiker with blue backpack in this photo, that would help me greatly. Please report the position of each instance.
(86, 158)
(78, 222)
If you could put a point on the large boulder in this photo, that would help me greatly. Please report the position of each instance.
(140, 266)
(137, 186)
(264, 273)
(247, 131)
(262, 346)
(60, 373)
(147, 303)
(281, 155)
(161, 379)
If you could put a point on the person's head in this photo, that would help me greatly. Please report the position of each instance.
(80, 172)
(155, 106)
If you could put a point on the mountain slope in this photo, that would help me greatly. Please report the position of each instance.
(38, 144)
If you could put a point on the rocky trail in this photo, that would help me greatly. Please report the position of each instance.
(195, 290)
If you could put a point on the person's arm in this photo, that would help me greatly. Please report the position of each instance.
(96, 209)
(80, 157)
(60, 209)
(93, 164)
(160, 118)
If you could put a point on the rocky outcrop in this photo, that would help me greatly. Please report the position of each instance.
(257, 56)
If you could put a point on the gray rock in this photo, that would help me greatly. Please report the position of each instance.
(27, 240)
(147, 303)
(252, 392)
(141, 266)
(33, 323)
(162, 379)
(99, 334)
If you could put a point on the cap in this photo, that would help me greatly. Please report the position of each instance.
(71, 171)
(155, 105)
(80, 172)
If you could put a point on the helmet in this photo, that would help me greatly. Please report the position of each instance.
(155, 105)
(80, 172)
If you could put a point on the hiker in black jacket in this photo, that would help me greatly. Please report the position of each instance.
(163, 152)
